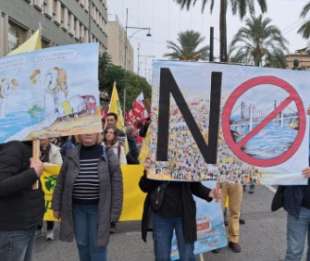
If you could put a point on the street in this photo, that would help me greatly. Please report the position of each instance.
(263, 237)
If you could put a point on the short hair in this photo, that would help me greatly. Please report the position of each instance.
(113, 114)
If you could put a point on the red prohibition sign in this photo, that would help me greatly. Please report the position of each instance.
(237, 147)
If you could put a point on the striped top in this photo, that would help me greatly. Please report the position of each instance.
(86, 185)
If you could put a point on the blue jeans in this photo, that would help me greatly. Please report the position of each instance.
(85, 219)
(162, 234)
(297, 229)
(16, 245)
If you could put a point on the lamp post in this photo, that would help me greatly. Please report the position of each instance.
(138, 29)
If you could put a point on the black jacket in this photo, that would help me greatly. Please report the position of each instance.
(21, 207)
(133, 154)
(189, 206)
(293, 199)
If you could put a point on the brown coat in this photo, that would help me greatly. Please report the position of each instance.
(111, 194)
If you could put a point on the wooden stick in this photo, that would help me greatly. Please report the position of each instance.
(36, 156)
(201, 257)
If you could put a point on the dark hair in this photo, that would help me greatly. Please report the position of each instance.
(113, 114)
(106, 131)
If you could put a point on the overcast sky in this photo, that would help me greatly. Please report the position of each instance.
(166, 20)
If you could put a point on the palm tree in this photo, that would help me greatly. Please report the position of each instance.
(304, 30)
(187, 50)
(241, 7)
(259, 43)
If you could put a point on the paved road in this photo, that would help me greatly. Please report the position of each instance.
(262, 238)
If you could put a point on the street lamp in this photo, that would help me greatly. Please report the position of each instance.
(138, 29)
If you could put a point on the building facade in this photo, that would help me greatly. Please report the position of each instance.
(117, 44)
(61, 22)
(303, 58)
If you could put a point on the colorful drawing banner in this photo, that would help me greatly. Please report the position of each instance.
(211, 231)
(49, 93)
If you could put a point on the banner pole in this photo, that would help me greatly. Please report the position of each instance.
(36, 156)
(201, 257)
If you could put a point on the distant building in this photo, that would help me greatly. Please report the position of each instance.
(62, 22)
(302, 56)
(116, 45)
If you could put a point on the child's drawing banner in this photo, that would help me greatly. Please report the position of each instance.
(49, 93)
(229, 122)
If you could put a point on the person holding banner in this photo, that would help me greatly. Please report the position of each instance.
(170, 206)
(21, 205)
(88, 196)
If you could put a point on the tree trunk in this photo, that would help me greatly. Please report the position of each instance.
(223, 32)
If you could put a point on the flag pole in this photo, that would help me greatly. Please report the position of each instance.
(36, 156)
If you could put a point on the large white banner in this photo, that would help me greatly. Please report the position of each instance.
(235, 123)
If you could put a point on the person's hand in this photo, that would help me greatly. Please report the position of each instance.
(56, 214)
(147, 163)
(306, 172)
(216, 193)
(37, 165)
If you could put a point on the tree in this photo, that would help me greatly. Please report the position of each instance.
(259, 43)
(304, 30)
(110, 73)
(241, 7)
(187, 50)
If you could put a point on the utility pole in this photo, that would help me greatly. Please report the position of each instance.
(125, 64)
(89, 19)
(211, 51)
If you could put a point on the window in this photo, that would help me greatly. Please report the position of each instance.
(38, 4)
(54, 7)
(48, 8)
(62, 15)
(65, 19)
(45, 43)
(16, 35)
(77, 29)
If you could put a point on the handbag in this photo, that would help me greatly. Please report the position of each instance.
(157, 196)
(277, 201)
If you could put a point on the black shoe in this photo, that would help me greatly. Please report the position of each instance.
(241, 221)
(235, 247)
(113, 228)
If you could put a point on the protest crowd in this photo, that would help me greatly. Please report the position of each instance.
(88, 185)
(89, 193)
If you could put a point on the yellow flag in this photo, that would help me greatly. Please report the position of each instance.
(115, 106)
(32, 44)
(145, 148)
(133, 198)
(48, 183)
